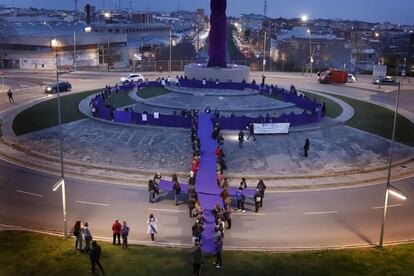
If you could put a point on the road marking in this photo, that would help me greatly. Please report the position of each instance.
(92, 203)
(320, 213)
(389, 206)
(249, 214)
(28, 193)
(167, 210)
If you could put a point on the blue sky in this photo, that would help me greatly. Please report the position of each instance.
(396, 11)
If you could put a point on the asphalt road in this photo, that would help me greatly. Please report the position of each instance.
(288, 220)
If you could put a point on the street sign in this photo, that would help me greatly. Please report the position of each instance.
(380, 71)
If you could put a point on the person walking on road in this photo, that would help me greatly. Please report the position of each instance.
(124, 234)
(77, 232)
(10, 96)
(87, 236)
(197, 256)
(151, 190)
(95, 256)
(306, 147)
(257, 198)
(261, 187)
(240, 200)
(176, 191)
(152, 226)
(116, 232)
(219, 248)
(251, 131)
(241, 139)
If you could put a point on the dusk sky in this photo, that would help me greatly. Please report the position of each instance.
(396, 11)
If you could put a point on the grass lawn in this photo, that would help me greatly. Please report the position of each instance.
(150, 92)
(120, 99)
(44, 115)
(333, 109)
(23, 253)
(379, 120)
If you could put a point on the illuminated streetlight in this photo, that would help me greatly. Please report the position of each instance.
(304, 18)
(389, 188)
(107, 15)
(54, 43)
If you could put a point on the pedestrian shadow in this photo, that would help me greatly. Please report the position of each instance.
(351, 227)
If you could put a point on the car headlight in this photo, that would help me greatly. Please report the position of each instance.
(49, 89)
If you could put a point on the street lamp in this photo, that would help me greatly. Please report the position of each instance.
(169, 65)
(389, 188)
(54, 43)
(310, 52)
(304, 18)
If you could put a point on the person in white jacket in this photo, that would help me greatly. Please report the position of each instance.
(152, 227)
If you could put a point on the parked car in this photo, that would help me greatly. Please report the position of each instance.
(333, 76)
(387, 80)
(351, 78)
(52, 88)
(135, 77)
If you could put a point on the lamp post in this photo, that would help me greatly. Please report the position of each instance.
(54, 43)
(310, 53)
(389, 188)
(169, 63)
(264, 53)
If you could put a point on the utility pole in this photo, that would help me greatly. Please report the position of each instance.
(264, 52)
(169, 65)
(76, 5)
(265, 8)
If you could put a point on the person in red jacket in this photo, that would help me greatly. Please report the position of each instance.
(195, 164)
(116, 232)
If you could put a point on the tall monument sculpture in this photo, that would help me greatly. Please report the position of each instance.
(218, 34)
(217, 68)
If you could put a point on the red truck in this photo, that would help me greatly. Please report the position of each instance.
(333, 76)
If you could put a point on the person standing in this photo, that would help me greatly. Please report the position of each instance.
(152, 226)
(228, 216)
(241, 139)
(10, 96)
(77, 232)
(243, 183)
(219, 248)
(263, 81)
(240, 200)
(251, 131)
(262, 187)
(151, 190)
(306, 147)
(116, 232)
(95, 256)
(87, 236)
(124, 234)
(257, 198)
(176, 191)
(224, 194)
(197, 256)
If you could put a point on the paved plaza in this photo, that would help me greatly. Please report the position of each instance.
(333, 150)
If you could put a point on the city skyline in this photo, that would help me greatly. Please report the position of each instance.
(398, 12)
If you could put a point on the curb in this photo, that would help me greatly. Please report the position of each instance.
(281, 249)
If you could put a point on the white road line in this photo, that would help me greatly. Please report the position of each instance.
(167, 210)
(28, 193)
(249, 214)
(320, 213)
(92, 203)
(389, 206)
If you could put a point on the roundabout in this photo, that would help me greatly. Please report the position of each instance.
(306, 206)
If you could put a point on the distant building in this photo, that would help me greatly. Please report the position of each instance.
(87, 50)
(133, 29)
(252, 22)
(145, 17)
(292, 47)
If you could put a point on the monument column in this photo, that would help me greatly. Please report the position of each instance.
(218, 34)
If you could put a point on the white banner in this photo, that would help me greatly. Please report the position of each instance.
(380, 71)
(277, 128)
